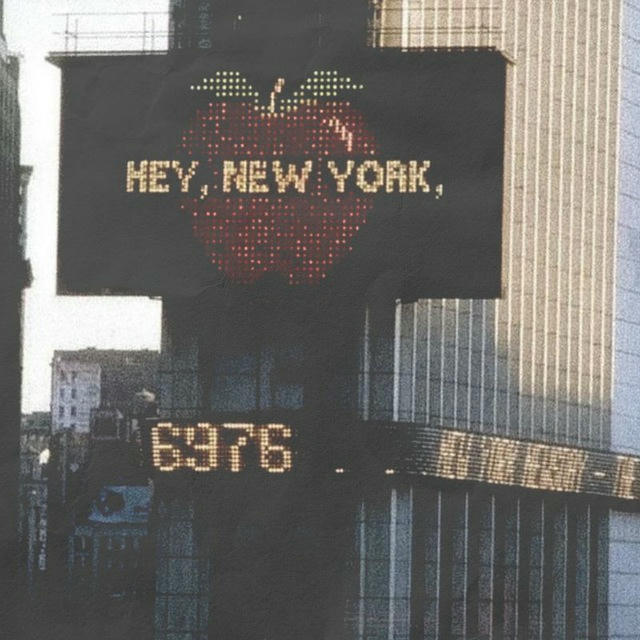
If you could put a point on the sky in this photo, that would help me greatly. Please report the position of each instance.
(63, 322)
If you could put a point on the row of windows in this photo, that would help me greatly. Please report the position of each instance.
(113, 569)
(84, 543)
(64, 378)
(74, 393)
(72, 412)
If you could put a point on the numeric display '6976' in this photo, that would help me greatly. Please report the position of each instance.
(228, 446)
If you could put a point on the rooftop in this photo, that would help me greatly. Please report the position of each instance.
(36, 420)
(92, 354)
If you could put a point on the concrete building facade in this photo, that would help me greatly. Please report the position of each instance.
(75, 391)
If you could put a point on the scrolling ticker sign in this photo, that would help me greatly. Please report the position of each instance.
(376, 449)
(181, 173)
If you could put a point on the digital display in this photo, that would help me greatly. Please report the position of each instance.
(403, 449)
(232, 447)
(411, 449)
(177, 172)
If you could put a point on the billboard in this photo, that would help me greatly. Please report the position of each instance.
(121, 504)
(227, 446)
(179, 174)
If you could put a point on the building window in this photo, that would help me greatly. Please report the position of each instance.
(82, 560)
(73, 394)
(61, 393)
(61, 412)
(73, 411)
(74, 375)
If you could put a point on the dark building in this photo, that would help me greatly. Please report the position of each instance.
(97, 547)
(95, 403)
(99, 491)
(202, 24)
(35, 436)
(14, 277)
(107, 545)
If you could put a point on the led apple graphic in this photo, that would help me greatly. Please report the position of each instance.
(299, 235)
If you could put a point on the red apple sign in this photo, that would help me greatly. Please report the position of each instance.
(298, 235)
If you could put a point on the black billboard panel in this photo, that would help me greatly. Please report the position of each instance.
(181, 173)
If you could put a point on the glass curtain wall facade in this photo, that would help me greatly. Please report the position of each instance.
(555, 359)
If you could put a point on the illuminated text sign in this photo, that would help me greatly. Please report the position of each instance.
(399, 449)
(460, 455)
(179, 172)
(275, 176)
(232, 447)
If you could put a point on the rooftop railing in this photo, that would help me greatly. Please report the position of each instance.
(105, 33)
(149, 32)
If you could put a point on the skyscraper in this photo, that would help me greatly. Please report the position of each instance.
(14, 276)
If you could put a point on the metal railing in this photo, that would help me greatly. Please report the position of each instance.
(151, 32)
(83, 33)
(468, 25)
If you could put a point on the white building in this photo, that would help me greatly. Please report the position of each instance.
(75, 390)
(86, 379)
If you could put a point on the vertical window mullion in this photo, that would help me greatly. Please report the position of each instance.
(418, 564)
(570, 586)
(446, 567)
(524, 568)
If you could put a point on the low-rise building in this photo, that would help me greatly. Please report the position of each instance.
(106, 547)
(88, 379)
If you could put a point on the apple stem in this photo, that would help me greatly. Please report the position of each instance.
(277, 88)
(341, 129)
